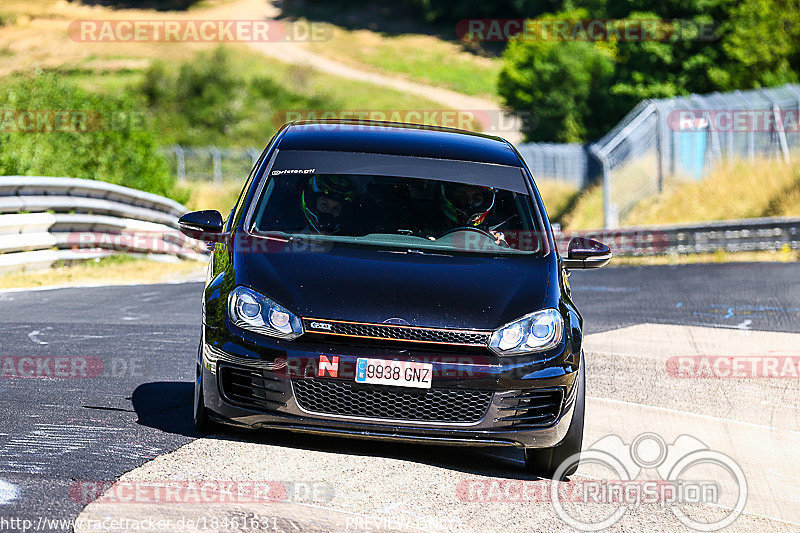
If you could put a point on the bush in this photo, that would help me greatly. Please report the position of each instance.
(559, 90)
(103, 137)
(216, 99)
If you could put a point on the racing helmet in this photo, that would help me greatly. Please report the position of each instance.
(465, 204)
(333, 187)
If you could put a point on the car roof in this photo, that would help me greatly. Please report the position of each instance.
(397, 138)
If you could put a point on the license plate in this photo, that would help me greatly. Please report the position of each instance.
(397, 373)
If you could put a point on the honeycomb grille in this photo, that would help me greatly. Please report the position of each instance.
(431, 405)
(534, 408)
(398, 333)
(251, 388)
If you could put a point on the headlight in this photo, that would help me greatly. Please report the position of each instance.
(532, 333)
(250, 310)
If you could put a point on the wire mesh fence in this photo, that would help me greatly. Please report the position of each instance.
(567, 163)
(686, 138)
(210, 163)
(562, 162)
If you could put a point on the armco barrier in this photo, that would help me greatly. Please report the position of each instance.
(84, 219)
(44, 220)
(746, 235)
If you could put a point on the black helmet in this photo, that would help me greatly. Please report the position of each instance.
(464, 208)
(333, 187)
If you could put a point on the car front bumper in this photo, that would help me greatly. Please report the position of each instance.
(503, 380)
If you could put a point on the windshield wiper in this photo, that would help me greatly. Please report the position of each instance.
(421, 252)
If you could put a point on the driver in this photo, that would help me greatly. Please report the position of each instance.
(466, 205)
(326, 201)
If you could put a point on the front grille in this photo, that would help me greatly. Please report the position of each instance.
(425, 405)
(533, 408)
(252, 388)
(461, 337)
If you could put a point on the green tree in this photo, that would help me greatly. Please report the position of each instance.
(706, 45)
(558, 88)
(761, 45)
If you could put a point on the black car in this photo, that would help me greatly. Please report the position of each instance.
(398, 282)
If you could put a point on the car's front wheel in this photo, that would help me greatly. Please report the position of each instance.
(545, 462)
(202, 423)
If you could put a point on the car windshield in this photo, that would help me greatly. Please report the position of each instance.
(395, 211)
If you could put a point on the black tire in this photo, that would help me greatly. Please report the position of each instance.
(202, 423)
(545, 462)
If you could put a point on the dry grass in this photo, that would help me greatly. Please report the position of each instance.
(720, 256)
(742, 189)
(212, 196)
(113, 270)
(37, 35)
(415, 57)
(587, 210)
(558, 197)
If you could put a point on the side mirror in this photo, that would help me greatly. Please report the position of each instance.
(198, 224)
(583, 252)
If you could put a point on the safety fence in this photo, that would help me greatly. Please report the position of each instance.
(745, 235)
(211, 163)
(568, 163)
(45, 220)
(685, 139)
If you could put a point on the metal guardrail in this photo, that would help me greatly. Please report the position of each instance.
(44, 220)
(746, 235)
(91, 227)
(85, 188)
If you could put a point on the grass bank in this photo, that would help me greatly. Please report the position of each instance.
(740, 189)
(112, 270)
(421, 58)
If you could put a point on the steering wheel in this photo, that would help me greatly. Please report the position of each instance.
(482, 231)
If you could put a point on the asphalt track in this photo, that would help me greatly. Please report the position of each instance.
(58, 432)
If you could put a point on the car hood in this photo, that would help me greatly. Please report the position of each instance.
(369, 285)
